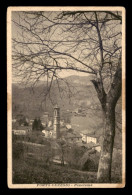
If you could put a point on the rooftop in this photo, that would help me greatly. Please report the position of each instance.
(86, 131)
(72, 135)
(90, 133)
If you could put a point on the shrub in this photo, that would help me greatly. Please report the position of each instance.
(89, 161)
(74, 155)
(90, 165)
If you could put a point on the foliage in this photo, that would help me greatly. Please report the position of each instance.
(39, 169)
(37, 126)
(29, 172)
(34, 137)
(18, 150)
(74, 154)
(90, 161)
(15, 125)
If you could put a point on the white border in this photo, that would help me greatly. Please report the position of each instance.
(9, 98)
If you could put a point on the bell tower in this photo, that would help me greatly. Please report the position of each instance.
(56, 122)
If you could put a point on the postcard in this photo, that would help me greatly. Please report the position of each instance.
(66, 97)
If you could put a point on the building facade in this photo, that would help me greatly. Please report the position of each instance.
(91, 139)
(48, 133)
(88, 138)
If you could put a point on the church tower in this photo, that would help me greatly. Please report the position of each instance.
(56, 122)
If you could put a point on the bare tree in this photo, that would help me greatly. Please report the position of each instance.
(50, 42)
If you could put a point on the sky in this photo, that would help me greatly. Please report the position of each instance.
(62, 74)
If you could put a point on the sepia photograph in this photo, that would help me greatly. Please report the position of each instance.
(66, 97)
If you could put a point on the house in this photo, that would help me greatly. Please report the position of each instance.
(48, 132)
(88, 137)
(91, 138)
(19, 132)
(22, 130)
(68, 126)
(49, 123)
(98, 148)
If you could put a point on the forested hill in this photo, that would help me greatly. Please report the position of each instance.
(70, 93)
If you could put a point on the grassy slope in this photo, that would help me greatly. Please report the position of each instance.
(37, 170)
(29, 172)
(32, 171)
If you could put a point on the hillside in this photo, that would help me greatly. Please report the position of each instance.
(79, 93)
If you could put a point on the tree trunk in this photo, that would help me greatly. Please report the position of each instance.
(104, 169)
(108, 102)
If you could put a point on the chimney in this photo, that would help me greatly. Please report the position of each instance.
(57, 122)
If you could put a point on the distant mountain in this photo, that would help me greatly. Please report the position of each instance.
(74, 79)
(70, 93)
(81, 80)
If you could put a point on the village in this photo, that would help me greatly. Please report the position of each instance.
(63, 141)
(56, 144)
(53, 142)
(57, 128)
